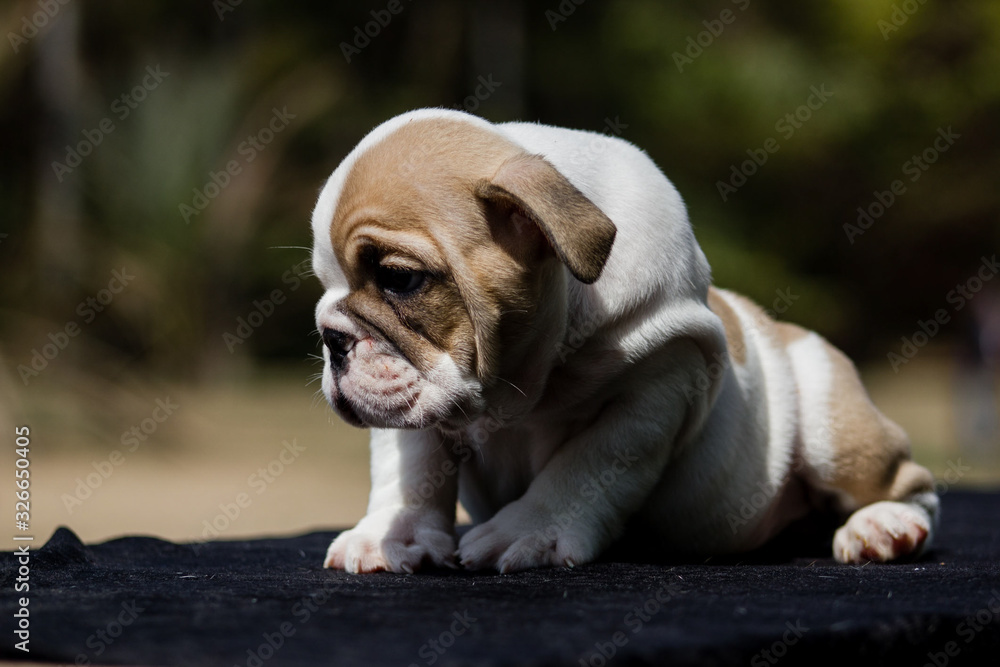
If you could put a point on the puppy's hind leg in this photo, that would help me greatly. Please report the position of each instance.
(855, 453)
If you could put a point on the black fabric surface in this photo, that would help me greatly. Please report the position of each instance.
(140, 600)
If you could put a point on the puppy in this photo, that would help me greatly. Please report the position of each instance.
(522, 316)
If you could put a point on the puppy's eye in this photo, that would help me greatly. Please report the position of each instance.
(399, 281)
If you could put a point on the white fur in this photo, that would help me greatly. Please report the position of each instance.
(814, 377)
(775, 384)
(399, 532)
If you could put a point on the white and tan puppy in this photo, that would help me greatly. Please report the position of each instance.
(523, 317)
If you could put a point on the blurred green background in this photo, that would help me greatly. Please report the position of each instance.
(161, 159)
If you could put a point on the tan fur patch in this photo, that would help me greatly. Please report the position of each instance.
(872, 453)
(411, 195)
(422, 196)
(731, 322)
(579, 232)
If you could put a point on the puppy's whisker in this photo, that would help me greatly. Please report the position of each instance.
(420, 412)
(441, 442)
(513, 385)
(415, 405)
(482, 455)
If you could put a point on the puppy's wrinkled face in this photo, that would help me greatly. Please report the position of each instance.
(432, 240)
(385, 366)
(405, 320)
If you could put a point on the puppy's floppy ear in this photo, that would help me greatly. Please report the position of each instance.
(577, 230)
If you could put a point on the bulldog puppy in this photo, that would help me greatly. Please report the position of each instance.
(522, 316)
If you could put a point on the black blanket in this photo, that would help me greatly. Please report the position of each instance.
(140, 600)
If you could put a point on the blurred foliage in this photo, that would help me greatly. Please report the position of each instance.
(232, 65)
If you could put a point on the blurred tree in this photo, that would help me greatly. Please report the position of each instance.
(703, 87)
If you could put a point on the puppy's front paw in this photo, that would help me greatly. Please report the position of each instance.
(394, 540)
(882, 532)
(522, 536)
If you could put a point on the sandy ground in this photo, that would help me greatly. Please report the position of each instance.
(263, 456)
(232, 460)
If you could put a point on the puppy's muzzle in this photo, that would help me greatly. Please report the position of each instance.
(339, 344)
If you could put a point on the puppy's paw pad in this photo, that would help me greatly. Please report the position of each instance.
(392, 542)
(882, 532)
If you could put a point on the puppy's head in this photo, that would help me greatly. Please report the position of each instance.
(438, 241)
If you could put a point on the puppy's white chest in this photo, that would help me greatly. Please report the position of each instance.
(498, 464)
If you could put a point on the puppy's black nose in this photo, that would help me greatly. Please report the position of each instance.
(339, 345)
